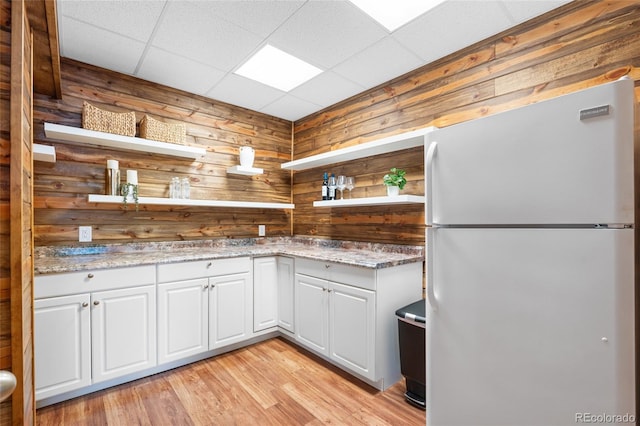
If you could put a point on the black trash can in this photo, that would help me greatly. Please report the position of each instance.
(411, 329)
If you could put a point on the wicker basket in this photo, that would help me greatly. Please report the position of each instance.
(150, 128)
(120, 123)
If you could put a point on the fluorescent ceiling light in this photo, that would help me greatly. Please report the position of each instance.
(278, 69)
(393, 14)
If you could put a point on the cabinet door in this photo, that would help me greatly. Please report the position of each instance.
(62, 344)
(123, 331)
(311, 313)
(230, 309)
(285, 294)
(183, 319)
(265, 293)
(352, 328)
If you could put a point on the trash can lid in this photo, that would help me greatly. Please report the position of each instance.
(414, 311)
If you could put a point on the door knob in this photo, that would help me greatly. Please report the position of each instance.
(8, 384)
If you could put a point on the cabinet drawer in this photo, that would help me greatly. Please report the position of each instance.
(202, 268)
(52, 285)
(338, 272)
(353, 275)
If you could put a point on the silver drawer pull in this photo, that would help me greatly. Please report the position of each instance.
(90, 276)
(96, 302)
(209, 265)
(85, 304)
(327, 266)
(206, 286)
(329, 290)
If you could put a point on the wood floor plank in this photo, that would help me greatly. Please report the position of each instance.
(270, 383)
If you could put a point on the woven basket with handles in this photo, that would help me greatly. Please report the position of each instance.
(120, 123)
(157, 130)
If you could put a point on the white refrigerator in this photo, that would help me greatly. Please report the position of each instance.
(530, 264)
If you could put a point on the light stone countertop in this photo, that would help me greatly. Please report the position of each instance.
(57, 259)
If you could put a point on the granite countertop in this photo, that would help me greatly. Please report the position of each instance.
(56, 259)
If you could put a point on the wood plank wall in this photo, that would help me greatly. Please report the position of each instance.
(582, 44)
(5, 221)
(61, 189)
(21, 211)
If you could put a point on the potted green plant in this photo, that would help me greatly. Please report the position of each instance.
(129, 191)
(395, 181)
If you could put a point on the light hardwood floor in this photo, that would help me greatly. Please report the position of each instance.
(269, 383)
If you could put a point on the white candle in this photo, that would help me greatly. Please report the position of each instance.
(132, 177)
(112, 164)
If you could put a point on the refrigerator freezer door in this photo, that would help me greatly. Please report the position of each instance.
(532, 327)
(540, 164)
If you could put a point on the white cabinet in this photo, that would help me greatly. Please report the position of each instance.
(230, 309)
(62, 334)
(337, 321)
(203, 305)
(352, 328)
(92, 326)
(273, 303)
(123, 331)
(347, 315)
(265, 293)
(183, 319)
(286, 300)
(312, 313)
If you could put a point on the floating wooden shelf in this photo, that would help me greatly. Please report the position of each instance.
(117, 199)
(45, 153)
(247, 171)
(381, 146)
(372, 201)
(127, 143)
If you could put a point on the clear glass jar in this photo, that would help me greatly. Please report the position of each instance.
(186, 188)
(174, 188)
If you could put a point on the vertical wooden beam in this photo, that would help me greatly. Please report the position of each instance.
(52, 31)
(21, 236)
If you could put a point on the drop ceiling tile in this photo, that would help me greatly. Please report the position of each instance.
(290, 108)
(259, 17)
(131, 19)
(451, 26)
(379, 63)
(193, 30)
(241, 91)
(315, 90)
(325, 33)
(102, 48)
(172, 70)
(522, 11)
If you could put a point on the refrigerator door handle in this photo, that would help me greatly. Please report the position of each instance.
(431, 152)
(431, 295)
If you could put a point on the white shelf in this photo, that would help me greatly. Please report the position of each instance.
(117, 199)
(372, 201)
(128, 143)
(247, 171)
(45, 153)
(381, 146)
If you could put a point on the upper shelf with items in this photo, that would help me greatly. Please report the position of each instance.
(380, 146)
(128, 143)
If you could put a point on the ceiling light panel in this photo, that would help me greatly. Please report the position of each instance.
(275, 68)
(394, 14)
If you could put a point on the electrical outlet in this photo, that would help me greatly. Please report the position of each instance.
(261, 230)
(84, 234)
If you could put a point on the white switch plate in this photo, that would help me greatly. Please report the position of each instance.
(261, 230)
(84, 234)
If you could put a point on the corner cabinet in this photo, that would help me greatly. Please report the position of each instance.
(347, 315)
(385, 145)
